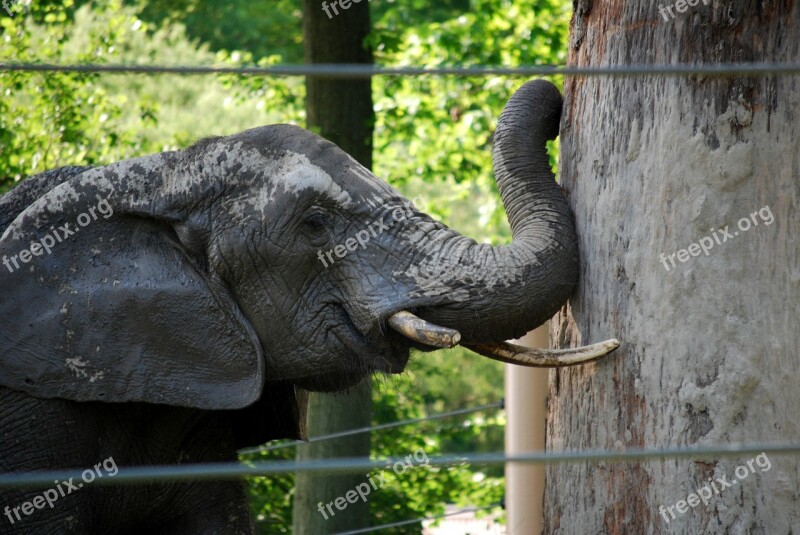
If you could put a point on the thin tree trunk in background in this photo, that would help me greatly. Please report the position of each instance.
(341, 111)
(709, 351)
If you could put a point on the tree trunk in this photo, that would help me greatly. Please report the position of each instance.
(341, 111)
(709, 351)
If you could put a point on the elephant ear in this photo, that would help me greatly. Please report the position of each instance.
(101, 301)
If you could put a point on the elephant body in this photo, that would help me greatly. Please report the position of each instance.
(50, 434)
(173, 308)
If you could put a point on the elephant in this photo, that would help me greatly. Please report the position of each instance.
(173, 308)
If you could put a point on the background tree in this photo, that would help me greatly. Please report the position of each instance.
(709, 347)
(341, 111)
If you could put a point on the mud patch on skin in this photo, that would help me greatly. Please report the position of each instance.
(81, 369)
(294, 173)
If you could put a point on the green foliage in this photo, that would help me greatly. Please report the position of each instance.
(52, 119)
(468, 381)
(459, 113)
(261, 28)
(417, 492)
(271, 497)
(184, 108)
(421, 491)
(280, 97)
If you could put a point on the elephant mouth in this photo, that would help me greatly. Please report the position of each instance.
(435, 336)
(373, 352)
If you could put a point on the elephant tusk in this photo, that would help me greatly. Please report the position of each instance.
(421, 331)
(544, 358)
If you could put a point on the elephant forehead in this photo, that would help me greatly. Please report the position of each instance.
(291, 173)
(301, 174)
(367, 179)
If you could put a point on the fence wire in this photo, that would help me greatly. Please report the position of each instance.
(356, 71)
(220, 471)
(358, 431)
(416, 520)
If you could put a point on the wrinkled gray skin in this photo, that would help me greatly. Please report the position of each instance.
(181, 328)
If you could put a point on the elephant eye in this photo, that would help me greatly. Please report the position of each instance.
(315, 227)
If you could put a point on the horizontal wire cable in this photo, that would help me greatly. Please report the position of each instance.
(358, 431)
(416, 520)
(346, 70)
(219, 471)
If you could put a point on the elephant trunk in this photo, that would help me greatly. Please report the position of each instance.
(511, 288)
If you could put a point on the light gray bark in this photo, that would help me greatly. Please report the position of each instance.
(711, 346)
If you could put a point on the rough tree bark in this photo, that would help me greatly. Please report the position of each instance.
(341, 111)
(709, 351)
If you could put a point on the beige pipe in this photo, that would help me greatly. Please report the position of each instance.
(526, 397)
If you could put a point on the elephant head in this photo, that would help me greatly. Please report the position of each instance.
(207, 277)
